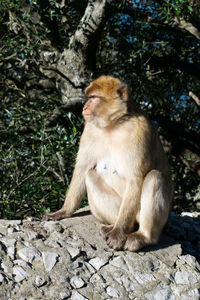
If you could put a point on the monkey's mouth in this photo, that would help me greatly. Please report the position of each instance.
(88, 116)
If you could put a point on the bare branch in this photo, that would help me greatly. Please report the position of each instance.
(90, 23)
(182, 24)
(195, 98)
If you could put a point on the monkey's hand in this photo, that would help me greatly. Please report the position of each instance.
(115, 237)
(58, 215)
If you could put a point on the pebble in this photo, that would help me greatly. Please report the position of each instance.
(98, 262)
(1, 278)
(112, 292)
(89, 267)
(4, 267)
(11, 252)
(52, 226)
(77, 296)
(49, 260)
(76, 282)
(75, 265)
(8, 242)
(185, 277)
(39, 281)
(119, 262)
(64, 295)
(95, 278)
(32, 235)
(20, 274)
(143, 278)
(22, 263)
(74, 252)
(190, 260)
(29, 254)
(161, 292)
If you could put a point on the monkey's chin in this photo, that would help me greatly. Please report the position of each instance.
(88, 117)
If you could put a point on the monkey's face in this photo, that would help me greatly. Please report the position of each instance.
(107, 100)
(92, 107)
(100, 110)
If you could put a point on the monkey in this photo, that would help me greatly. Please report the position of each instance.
(122, 167)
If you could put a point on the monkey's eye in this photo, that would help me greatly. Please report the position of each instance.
(96, 97)
(92, 97)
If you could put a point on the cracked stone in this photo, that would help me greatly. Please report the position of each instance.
(49, 260)
(64, 295)
(119, 262)
(142, 277)
(98, 262)
(112, 292)
(20, 274)
(74, 252)
(29, 254)
(39, 281)
(77, 282)
(185, 277)
(2, 279)
(77, 296)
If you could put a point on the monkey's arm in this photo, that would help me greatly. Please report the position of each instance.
(77, 189)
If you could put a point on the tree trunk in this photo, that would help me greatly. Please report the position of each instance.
(75, 66)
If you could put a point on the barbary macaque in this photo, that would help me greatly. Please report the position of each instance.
(122, 167)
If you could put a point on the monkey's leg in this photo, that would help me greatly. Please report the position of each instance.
(155, 206)
(104, 201)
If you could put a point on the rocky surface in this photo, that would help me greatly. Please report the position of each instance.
(69, 260)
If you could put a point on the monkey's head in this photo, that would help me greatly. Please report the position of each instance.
(108, 100)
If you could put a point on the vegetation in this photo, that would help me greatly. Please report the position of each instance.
(50, 50)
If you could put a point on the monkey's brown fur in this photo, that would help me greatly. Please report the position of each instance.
(122, 167)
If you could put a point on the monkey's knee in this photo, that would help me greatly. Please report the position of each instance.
(152, 176)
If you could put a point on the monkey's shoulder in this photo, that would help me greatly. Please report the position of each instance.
(137, 125)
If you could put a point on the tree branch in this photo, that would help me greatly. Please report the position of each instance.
(182, 24)
(195, 98)
(90, 23)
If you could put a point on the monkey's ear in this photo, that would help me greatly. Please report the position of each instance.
(123, 91)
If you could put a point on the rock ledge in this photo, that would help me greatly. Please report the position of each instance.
(69, 260)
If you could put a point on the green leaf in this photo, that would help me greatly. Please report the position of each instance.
(48, 210)
(74, 129)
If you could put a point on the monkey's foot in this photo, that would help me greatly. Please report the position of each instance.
(58, 215)
(104, 229)
(136, 241)
(115, 237)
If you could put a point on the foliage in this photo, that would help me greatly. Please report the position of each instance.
(35, 170)
(145, 43)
